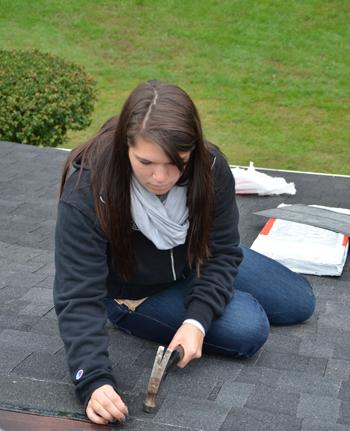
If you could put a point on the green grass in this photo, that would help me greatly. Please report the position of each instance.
(270, 77)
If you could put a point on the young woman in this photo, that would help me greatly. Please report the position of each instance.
(147, 234)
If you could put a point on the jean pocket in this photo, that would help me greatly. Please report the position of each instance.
(115, 312)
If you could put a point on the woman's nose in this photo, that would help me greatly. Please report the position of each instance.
(160, 173)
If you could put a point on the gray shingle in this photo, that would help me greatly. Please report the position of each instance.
(344, 417)
(195, 414)
(317, 347)
(314, 425)
(10, 294)
(283, 361)
(338, 368)
(141, 424)
(21, 278)
(124, 348)
(308, 328)
(180, 381)
(338, 308)
(40, 301)
(37, 342)
(333, 335)
(35, 394)
(340, 321)
(10, 357)
(251, 420)
(324, 409)
(344, 392)
(46, 326)
(47, 282)
(309, 361)
(234, 394)
(19, 254)
(342, 351)
(189, 381)
(12, 308)
(43, 366)
(284, 343)
(21, 323)
(317, 366)
(273, 400)
(293, 381)
(127, 375)
(7, 265)
(259, 375)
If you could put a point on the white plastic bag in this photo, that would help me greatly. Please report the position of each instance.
(249, 181)
(304, 248)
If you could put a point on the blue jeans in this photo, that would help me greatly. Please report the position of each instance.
(265, 292)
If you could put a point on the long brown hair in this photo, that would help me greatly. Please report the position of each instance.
(164, 114)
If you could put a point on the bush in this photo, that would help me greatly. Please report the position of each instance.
(42, 96)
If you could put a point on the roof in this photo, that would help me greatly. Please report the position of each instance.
(298, 381)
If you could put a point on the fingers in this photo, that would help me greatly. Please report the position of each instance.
(174, 343)
(188, 356)
(105, 405)
(94, 417)
(116, 399)
(191, 339)
(107, 411)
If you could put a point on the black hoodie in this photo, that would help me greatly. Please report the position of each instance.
(84, 275)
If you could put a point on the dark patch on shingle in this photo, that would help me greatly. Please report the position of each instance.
(273, 400)
(344, 417)
(234, 394)
(315, 425)
(344, 393)
(259, 376)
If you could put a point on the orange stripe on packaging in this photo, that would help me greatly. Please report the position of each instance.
(266, 229)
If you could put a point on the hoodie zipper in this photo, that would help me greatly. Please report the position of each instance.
(172, 263)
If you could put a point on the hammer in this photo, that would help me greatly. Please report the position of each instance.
(162, 363)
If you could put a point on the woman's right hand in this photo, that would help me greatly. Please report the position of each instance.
(105, 405)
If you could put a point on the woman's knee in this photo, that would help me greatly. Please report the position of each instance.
(254, 333)
(286, 296)
(300, 306)
(241, 331)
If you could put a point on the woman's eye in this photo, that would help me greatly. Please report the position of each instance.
(145, 162)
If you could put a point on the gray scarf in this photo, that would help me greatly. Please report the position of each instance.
(165, 224)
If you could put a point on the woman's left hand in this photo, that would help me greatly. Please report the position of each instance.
(191, 338)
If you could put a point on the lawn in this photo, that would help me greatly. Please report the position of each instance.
(270, 77)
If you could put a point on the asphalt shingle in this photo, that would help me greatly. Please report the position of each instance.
(324, 409)
(298, 382)
(293, 381)
(273, 400)
(37, 342)
(192, 413)
(249, 419)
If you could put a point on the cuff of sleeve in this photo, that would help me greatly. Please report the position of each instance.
(200, 311)
(196, 324)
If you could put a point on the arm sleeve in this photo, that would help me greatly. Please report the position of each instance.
(79, 289)
(211, 291)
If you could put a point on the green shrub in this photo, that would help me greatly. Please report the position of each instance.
(41, 97)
